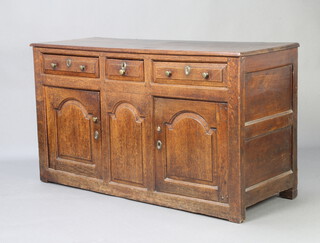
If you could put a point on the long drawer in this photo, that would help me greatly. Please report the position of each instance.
(203, 74)
(71, 65)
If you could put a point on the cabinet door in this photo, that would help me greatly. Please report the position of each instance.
(74, 131)
(191, 142)
(128, 121)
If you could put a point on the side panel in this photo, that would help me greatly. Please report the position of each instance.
(270, 124)
(268, 156)
(268, 92)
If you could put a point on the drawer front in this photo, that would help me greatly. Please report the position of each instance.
(126, 70)
(71, 65)
(203, 74)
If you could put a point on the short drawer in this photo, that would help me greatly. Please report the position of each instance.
(203, 74)
(71, 65)
(126, 70)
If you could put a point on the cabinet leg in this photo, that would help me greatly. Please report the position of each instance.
(289, 194)
(238, 218)
(43, 178)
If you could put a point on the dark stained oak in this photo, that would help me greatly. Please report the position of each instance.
(214, 136)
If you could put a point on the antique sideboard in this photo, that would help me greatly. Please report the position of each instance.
(205, 127)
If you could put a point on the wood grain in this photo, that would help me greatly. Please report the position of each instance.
(71, 130)
(128, 131)
(90, 64)
(187, 163)
(228, 142)
(268, 92)
(133, 70)
(268, 156)
(216, 73)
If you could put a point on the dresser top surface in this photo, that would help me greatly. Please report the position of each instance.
(169, 46)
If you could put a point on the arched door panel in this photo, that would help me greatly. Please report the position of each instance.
(74, 131)
(191, 154)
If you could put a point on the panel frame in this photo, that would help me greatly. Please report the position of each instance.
(285, 183)
(54, 98)
(216, 190)
(111, 102)
(178, 76)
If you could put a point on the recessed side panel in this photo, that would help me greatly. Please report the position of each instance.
(268, 92)
(268, 156)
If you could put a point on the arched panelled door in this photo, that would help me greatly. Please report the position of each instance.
(74, 131)
(191, 143)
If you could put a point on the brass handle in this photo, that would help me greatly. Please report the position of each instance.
(159, 144)
(68, 62)
(187, 70)
(54, 65)
(122, 72)
(158, 129)
(96, 135)
(168, 73)
(205, 75)
(95, 119)
(123, 68)
(82, 67)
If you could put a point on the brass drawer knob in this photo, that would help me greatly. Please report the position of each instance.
(122, 72)
(123, 68)
(82, 67)
(168, 73)
(95, 119)
(54, 65)
(205, 75)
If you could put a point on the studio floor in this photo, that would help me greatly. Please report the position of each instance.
(33, 211)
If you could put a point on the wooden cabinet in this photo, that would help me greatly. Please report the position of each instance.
(208, 128)
(191, 148)
(73, 118)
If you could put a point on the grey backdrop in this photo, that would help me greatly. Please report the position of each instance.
(24, 22)
(31, 211)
